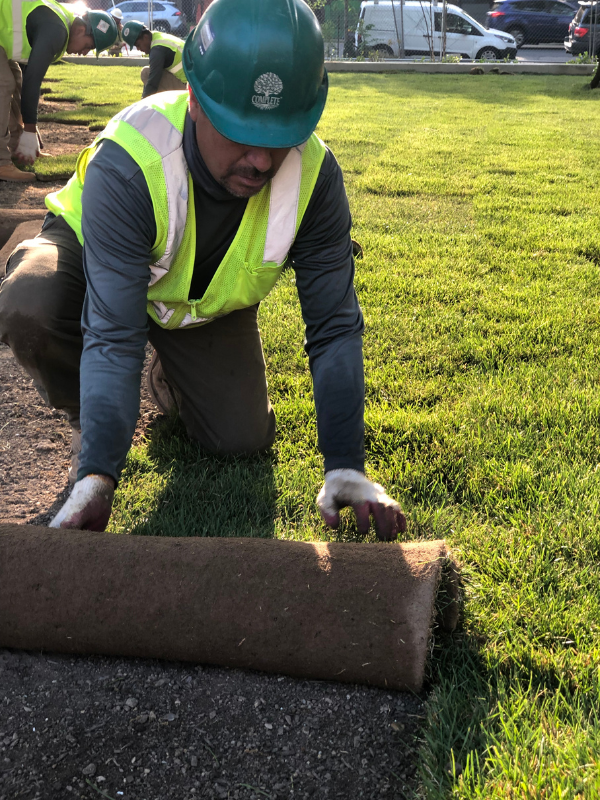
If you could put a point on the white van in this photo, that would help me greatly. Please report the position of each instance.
(384, 24)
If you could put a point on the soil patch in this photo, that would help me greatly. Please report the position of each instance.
(59, 140)
(26, 195)
(35, 446)
(145, 730)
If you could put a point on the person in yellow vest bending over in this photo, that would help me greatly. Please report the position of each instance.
(165, 72)
(34, 34)
(177, 223)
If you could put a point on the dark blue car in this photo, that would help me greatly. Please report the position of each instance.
(532, 21)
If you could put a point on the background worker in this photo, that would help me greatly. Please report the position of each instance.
(206, 196)
(41, 35)
(165, 71)
(117, 15)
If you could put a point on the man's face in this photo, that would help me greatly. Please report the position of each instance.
(144, 42)
(242, 169)
(80, 42)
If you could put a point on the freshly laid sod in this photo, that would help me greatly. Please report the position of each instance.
(476, 201)
(96, 95)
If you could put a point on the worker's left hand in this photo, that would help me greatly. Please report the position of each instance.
(348, 487)
(28, 148)
(89, 506)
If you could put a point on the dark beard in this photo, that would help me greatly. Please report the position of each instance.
(245, 172)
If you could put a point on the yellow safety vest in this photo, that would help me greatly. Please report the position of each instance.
(151, 131)
(13, 19)
(174, 44)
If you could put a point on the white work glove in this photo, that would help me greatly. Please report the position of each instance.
(89, 506)
(348, 487)
(28, 148)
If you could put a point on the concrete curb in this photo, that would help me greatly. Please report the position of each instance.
(530, 68)
(460, 69)
(107, 61)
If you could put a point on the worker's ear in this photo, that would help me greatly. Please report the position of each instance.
(79, 39)
(195, 109)
(78, 28)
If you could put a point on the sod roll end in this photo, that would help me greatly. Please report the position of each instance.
(360, 613)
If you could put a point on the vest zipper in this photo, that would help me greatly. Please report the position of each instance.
(193, 304)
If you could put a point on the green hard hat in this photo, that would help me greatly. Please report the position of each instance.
(103, 28)
(257, 69)
(131, 31)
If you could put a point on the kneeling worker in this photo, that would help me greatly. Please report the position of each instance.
(165, 72)
(33, 35)
(206, 197)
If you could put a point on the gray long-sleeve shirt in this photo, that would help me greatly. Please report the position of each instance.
(47, 36)
(119, 231)
(160, 59)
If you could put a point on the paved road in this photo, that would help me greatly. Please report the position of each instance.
(545, 54)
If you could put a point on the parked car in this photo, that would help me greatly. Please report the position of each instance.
(166, 16)
(584, 31)
(384, 26)
(532, 21)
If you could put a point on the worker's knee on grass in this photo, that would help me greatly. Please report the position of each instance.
(239, 439)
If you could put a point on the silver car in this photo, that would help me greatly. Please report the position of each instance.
(166, 17)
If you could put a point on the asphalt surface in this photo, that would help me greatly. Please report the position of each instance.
(544, 54)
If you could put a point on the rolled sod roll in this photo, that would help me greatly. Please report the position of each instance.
(359, 613)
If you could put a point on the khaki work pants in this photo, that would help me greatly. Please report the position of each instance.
(11, 123)
(168, 81)
(216, 371)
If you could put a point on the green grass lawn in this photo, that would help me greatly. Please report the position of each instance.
(476, 199)
(96, 94)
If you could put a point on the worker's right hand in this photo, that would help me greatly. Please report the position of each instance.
(89, 506)
(28, 148)
(348, 487)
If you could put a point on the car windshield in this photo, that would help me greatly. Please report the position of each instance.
(473, 22)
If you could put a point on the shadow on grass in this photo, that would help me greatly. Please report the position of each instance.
(460, 707)
(200, 494)
(482, 716)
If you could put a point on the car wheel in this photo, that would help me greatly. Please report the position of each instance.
(162, 26)
(487, 54)
(380, 51)
(519, 36)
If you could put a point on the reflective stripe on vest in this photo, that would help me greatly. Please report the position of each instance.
(167, 141)
(18, 30)
(20, 48)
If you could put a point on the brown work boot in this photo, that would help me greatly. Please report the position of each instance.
(8, 172)
(159, 389)
(75, 451)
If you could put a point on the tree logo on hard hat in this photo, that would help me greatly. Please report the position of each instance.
(265, 87)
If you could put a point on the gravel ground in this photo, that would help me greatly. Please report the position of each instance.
(144, 730)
